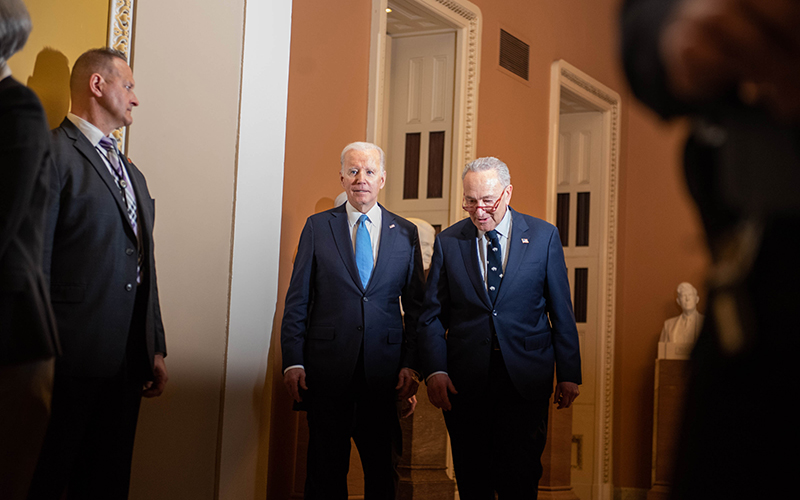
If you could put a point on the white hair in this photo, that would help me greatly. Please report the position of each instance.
(489, 163)
(363, 146)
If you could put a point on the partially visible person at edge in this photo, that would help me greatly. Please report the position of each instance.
(733, 68)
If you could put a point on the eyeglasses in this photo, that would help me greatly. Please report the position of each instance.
(472, 206)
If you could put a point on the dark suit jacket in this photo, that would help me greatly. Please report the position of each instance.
(532, 314)
(27, 329)
(329, 315)
(92, 264)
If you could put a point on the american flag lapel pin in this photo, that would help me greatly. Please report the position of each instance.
(390, 227)
(525, 240)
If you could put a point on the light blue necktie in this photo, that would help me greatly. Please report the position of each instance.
(363, 251)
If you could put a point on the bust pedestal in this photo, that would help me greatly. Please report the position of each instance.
(557, 457)
(423, 466)
(671, 380)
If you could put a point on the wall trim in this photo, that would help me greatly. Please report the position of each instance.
(565, 76)
(120, 37)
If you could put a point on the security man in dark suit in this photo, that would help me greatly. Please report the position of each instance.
(101, 266)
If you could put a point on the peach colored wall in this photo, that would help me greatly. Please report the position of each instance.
(659, 240)
(62, 31)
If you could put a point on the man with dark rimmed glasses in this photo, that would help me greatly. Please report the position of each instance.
(497, 320)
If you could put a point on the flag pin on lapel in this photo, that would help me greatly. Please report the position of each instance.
(390, 227)
(525, 240)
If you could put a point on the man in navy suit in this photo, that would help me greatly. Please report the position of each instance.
(497, 320)
(348, 352)
(100, 261)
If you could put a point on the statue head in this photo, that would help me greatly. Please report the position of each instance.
(687, 297)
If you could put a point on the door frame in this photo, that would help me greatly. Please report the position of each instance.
(465, 17)
(601, 98)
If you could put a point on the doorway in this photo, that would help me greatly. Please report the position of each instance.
(582, 201)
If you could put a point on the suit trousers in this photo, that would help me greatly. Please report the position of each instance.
(25, 393)
(88, 447)
(367, 415)
(497, 439)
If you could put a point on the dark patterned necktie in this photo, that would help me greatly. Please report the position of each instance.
(494, 259)
(127, 190)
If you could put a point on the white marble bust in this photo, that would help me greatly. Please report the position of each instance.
(682, 330)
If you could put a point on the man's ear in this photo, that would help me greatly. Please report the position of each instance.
(96, 84)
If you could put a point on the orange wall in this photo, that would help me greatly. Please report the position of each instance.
(659, 243)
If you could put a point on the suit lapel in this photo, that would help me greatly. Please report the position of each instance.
(86, 149)
(388, 237)
(469, 253)
(516, 251)
(344, 242)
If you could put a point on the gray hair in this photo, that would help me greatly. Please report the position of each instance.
(363, 146)
(489, 163)
(94, 61)
(15, 26)
(687, 287)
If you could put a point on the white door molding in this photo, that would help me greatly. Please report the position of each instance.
(598, 97)
(466, 18)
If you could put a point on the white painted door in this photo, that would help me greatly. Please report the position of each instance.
(580, 188)
(420, 126)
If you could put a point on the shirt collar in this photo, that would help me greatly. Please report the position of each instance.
(353, 214)
(90, 131)
(5, 70)
(503, 228)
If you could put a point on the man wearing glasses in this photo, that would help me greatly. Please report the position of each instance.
(497, 319)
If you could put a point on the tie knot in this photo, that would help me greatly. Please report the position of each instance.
(363, 219)
(107, 143)
(492, 235)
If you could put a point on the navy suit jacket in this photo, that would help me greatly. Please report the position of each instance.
(92, 260)
(329, 315)
(27, 329)
(532, 314)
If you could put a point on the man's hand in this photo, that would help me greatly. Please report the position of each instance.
(407, 406)
(294, 380)
(407, 384)
(565, 394)
(438, 387)
(710, 46)
(154, 388)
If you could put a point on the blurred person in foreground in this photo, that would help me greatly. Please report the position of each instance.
(733, 68)
(28, 341)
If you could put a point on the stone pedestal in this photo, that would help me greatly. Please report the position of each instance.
(423, 466)
(670, 387)
(557, 457)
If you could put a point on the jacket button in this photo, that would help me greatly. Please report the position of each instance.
(129, 251)
(360, 328)
(366, 299)
(494, 313)
(129, 287)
